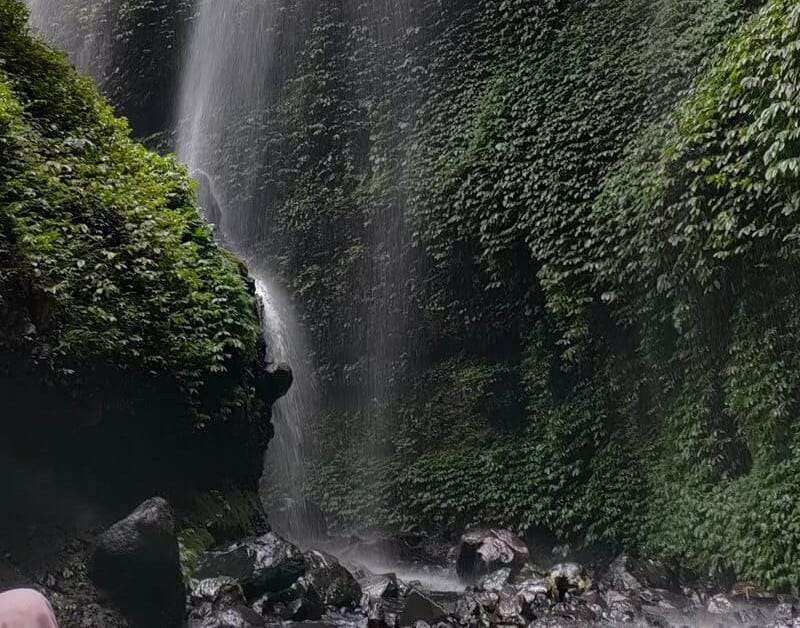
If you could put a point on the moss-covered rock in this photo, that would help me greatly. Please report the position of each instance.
(117, 309)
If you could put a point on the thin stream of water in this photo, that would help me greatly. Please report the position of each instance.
(229, 55)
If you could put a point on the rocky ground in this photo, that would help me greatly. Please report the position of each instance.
(268, 581)
(129, 575)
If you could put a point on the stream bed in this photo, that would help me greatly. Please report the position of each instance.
(487, 579)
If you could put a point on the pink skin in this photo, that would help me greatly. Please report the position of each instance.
(26, 608)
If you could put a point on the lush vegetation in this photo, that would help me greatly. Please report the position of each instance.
(547, 256)
(574, 223)
(111, 286)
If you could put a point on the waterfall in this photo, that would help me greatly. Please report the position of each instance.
(223, 95)
(82, 30)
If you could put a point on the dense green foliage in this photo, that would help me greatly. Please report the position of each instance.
(588, 208)
(547, 256)
(109, 280)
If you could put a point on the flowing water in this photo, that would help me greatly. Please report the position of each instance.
(85, 34)
(227, 84)
(224, 92)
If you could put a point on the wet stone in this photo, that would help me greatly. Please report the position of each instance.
(419, 607)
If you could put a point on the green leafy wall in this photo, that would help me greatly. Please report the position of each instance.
(597, 204)
(546, 254)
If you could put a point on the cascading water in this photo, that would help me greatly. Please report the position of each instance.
(224, 92)
(86, 39)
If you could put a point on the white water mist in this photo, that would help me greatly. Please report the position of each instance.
(224, 93)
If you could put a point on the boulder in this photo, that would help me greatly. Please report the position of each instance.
(300, 602)
(627, 574)
(785, 613)
(380, 586)
(215, 592)
(137, 562)
(220, 603)
(567, 578)
(335, 585)
(419, 607)
(264, 564)
(482, 552)
(239, 617)
(532, 595)
(595, 602)
(621, 608)
(496, 581)
(275, 382)
(508, 611)
(376, 615)
(720, 605)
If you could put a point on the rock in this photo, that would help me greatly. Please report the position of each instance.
(239, 617)
(484, 551)
(276, 382)
(528, 572)
(418, 607)
(508, 612)
(720, 605)
(335, 585)
(496, 581)
(532, 596)
(621, 608)
(325, 583)
(476, 608)
(626, 574)
(301, 602)
(264, 564)
(379, 617)
(667, 617)
(381, 586)
(217, 592)
(376, 616)
(574, 612)
(299, 519)
(595, 602)
(785, 614)
(137, 561)
(567, 578)
(220, 603)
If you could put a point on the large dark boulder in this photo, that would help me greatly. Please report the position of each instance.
(326, 584)
(137, 562)
(381, 586)
(300, 602)
(335, 585)
(275, 382)
(419, 607)
(264, 564)
(485, 551)
(632, 574)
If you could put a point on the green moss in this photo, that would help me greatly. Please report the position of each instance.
(106, 238)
